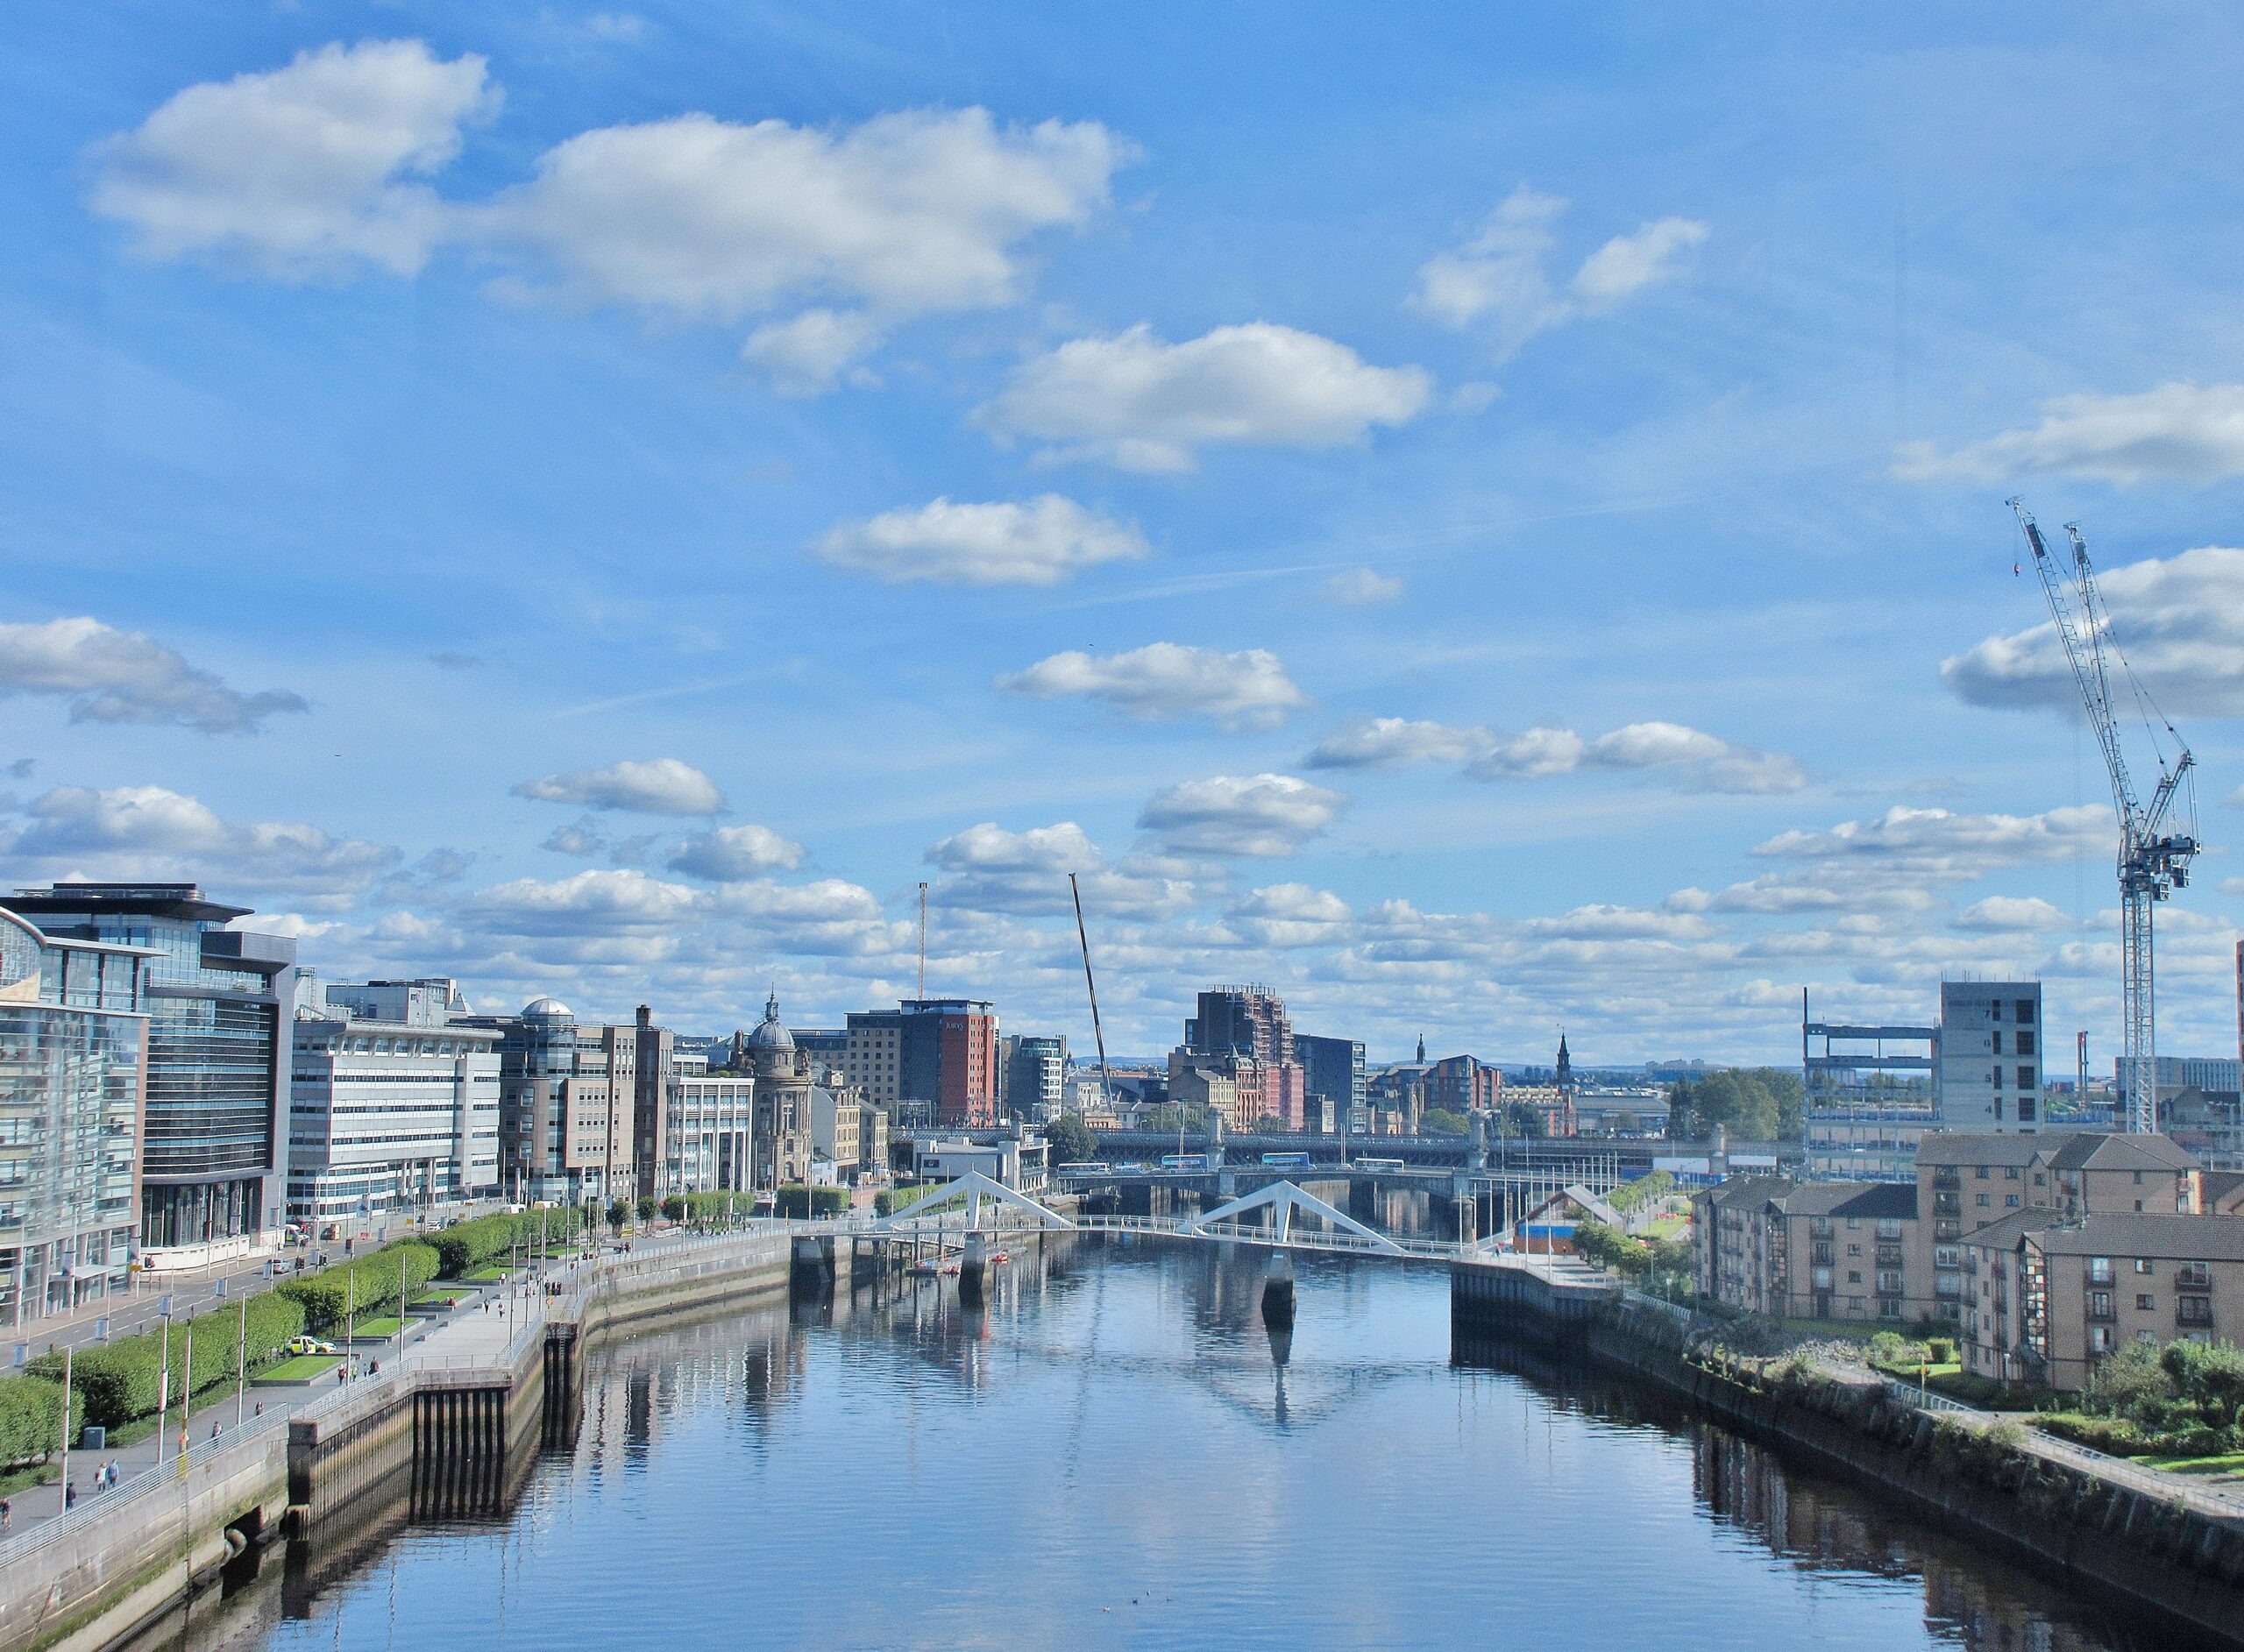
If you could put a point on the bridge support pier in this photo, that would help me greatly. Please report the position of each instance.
(810, 1271)
(1278, 1291)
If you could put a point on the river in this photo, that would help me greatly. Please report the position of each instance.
(1115, 1452)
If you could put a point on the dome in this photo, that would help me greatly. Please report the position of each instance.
(769, 1033)
(547, 1009)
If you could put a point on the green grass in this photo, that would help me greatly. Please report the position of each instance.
(2231, 1463)
(31, 1474)
(303, 1368)
(486, 1275)
(385, 1326)
(1669, 1227)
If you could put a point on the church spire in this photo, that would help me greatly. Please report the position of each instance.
(1565, 1064)
(1421, 1049)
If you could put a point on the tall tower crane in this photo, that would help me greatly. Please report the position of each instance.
(2154, 857)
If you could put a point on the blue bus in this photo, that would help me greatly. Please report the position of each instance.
(1286, 1162)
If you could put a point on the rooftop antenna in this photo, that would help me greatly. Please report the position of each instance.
(923, 942)
(1106, 1078)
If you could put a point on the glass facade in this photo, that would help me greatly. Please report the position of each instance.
(211, 1151)
(73, 1042)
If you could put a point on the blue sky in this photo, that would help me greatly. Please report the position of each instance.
(1481, 524)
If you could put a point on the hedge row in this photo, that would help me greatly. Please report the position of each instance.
(119, 1382)
(798, 1201)
(465, 1246)
(708, 1207)
(363, 1285)
(889, 1200)
(31, 1419)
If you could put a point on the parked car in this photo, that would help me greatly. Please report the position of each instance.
(309, 1345)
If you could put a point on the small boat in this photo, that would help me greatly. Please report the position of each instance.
(1000, 1256)
(950, 1268)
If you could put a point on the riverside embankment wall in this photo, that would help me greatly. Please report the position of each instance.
(2114, 1532)
(432, 1433)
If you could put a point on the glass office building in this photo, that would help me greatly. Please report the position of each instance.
(73, 1039)
(213, 1152)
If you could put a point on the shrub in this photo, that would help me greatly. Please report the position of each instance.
(31, 1419)
(798, 1201)
(674, 1207)
(719, 1206)
(463, 1249)
(1645, 1189)
(119, 1382)
(363, 1285)
(889, 1200)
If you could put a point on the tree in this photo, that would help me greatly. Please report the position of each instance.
(1521, 1119)
(619, 1212)
(1073, 1141)
(1757, 1104)
(1270, 1125)
(648, 1206)
(1439, 1121)
(1170, 1116)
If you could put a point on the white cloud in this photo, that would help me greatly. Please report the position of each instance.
(662, 786)
(830, 918)
(1503, 276)
(2179, 432)
(989, 870)
(1704, 762)
(128, 831)
(1289, 915)
(1263, 815)
(804, 355)
(300, 170)
(1628, 263)
(591, 902)
(1383, 741)
(2179, 619)
(904, 213)
(1999, 914)
(1697, 761)
(1039, 543)
(1362, 587)
(1601, 922)
(1167, 680)
(730, 854)
(1937, 843)
(1141, 403)
(120, 677)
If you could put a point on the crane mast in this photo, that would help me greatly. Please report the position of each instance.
(2153, 861)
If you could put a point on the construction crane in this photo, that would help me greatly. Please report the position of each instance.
(2153, 858)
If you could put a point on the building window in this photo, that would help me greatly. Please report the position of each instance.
(2099, 1270)
(2099, 1304)
(2010, 1200)
(2193, 1310)
(2146, 1300)
(1984, 1201)
(2143, 1265)
(2026, 1044)
(2026, 1012)
(1998, 1043)
(2025, 1078)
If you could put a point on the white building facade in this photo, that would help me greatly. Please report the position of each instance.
(709, 1131)
(389, 1116)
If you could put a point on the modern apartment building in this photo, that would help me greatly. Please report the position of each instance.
(73, 1039)
(932, 1057)
(390, 1114)
(2048, 1298)
(1332, 1070)
(1991, 1050)
(1811, 1250)
(1969, 1181)
(1036, 1074)
(213, 1143)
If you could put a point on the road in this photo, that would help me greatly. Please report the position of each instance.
(482, 1325)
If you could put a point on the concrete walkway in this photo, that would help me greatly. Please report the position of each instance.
(475, 1332)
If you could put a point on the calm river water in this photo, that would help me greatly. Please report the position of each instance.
(1112, 1454)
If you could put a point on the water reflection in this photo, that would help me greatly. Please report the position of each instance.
(1112, 1447)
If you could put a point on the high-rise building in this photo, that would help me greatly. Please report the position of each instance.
(1333, 1070)
(1036, 1074)
(1990, 1074)
(933, 1059)
(568, 1099)
(1245, 1029)
(214, 1151)
(427, 1000)
(655, 1064)
(74, 1037)
(390, 1114)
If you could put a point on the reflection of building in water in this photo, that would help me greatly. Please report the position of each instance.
(1970, 1596)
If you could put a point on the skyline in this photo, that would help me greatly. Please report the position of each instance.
(604, 503)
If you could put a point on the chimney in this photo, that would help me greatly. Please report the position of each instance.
(646, 1017)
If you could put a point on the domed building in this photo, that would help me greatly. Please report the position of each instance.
(782, 1099)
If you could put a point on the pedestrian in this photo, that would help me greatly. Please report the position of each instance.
(214, 1428)
(69, 1497)
(6, 1513)
(260, 1408)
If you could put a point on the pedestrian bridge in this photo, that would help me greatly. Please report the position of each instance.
(1269, 1216)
